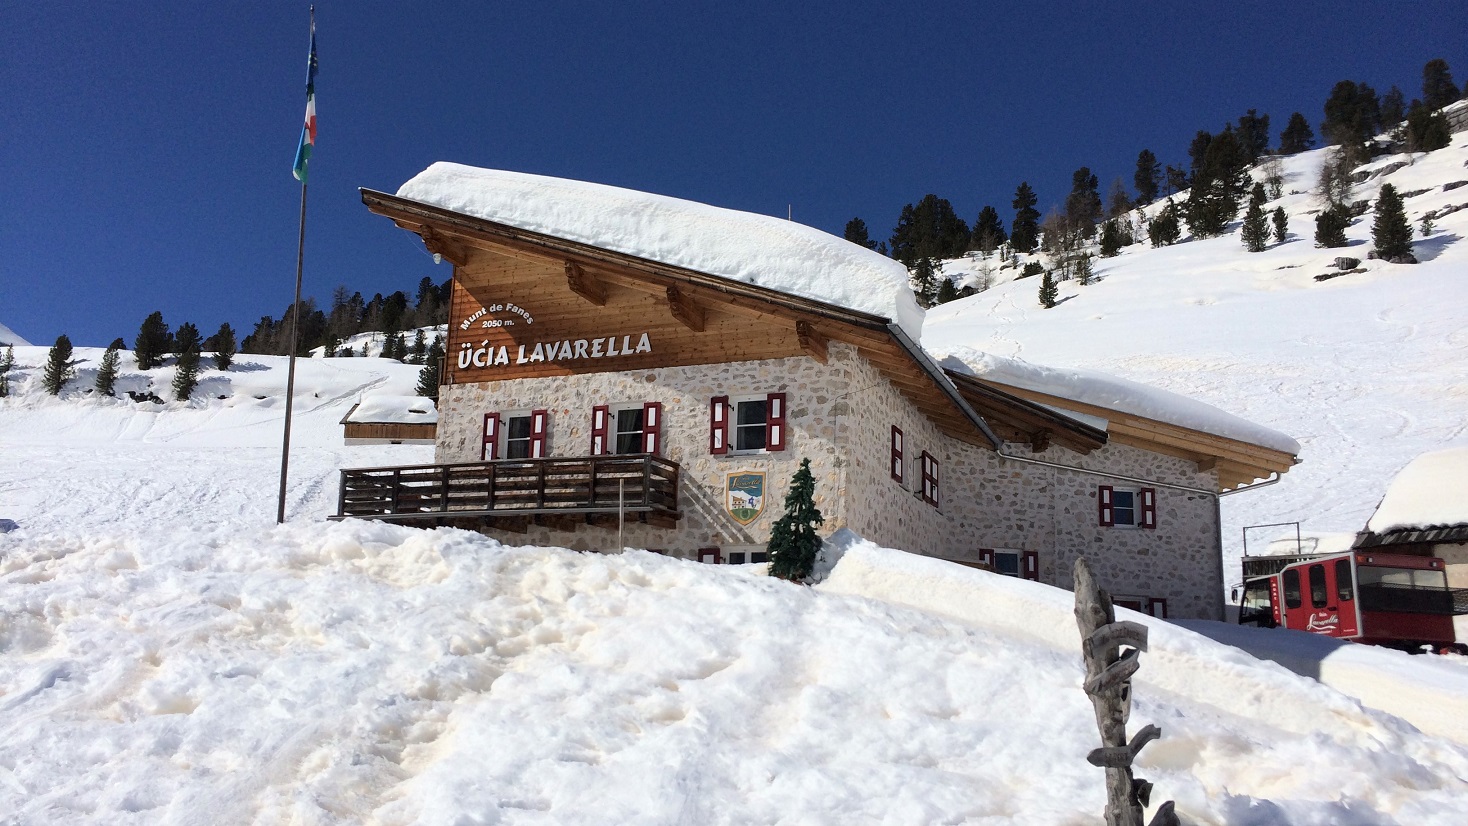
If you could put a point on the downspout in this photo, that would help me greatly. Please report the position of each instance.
(1214, 494)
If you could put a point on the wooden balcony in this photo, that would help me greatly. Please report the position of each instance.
(510, 494)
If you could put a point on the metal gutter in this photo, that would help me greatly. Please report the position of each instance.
(945, 384)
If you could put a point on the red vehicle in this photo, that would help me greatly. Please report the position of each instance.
(1393, 600)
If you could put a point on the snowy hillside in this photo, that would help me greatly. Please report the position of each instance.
(8, 336)
(347, 673)
(1366, 370)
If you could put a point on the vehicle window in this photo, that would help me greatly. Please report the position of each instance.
(1317, 586)
(1401, 577)
(1343, 580)
(1255, 607)
(1292, 588)
(1423, 578)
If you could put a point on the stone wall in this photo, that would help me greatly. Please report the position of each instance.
(840, 417)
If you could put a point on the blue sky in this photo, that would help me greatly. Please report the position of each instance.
(147, 150)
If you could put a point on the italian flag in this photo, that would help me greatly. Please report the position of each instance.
(308, 131)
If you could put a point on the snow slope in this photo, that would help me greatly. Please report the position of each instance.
(1366, 370)
(345, 673)
(8, 336)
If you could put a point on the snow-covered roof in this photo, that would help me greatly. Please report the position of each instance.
(1100, 390)
(393, 410)
(755, 249)
(1431, 491)
(8, 336)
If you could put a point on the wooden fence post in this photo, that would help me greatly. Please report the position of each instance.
(1109, 685)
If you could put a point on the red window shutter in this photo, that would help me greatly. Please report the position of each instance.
(1104, 506)
(1157, 607)
(539, 421)
(489, 449)
(1149, 507)
(775, 422)
(710, 555)
(896, 453)
(652, 428)
(599, 419)
(1030, 565)
(986, 556)
(719, 425)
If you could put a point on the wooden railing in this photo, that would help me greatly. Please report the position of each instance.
(588, 485)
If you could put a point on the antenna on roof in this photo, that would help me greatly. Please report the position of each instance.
(789, 212)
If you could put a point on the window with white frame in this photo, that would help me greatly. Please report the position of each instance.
(747, 424)
(515, 434)
(1119, 507)
(627, 428)
(1015, 563)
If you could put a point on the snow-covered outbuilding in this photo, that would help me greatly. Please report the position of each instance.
(391, 420)
(612, 351)
(1425, 512)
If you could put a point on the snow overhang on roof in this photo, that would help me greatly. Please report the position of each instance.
(1430, 492)
(1111, 393)
(392, 410)
(754, 249)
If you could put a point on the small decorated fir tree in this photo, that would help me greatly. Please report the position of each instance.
(793, 540)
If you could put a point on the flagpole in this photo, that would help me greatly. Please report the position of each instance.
(308, 138)
(290, 381)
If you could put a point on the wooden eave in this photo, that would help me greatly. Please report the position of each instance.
(1237, 462)
(878, 340)
(1021, 420)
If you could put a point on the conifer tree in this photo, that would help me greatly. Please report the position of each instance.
(1255, 233)
(1438, 89)
(1147, 177)
(429, 375)
(1110, 239)
(186, 377)
(1219, 181)
(1281, 224)
(1352, 115)
(1297, 136)
(1049, 292)
(1391, 234)
(1177, 179)
(794, 542)
(1083, 204)
(856, 233)
(59, 366)
(988, 230)
(107, 372)
(419, 348)
(151, 343)
(1330, 227)
(946, 291)
(7, 361)
(1024, 233)
(925, 281)
(1165, 229)
(1254, 134)
(1393, 109)
(1083, 271)
(1426, 129)
(929, 229)
(224, 347)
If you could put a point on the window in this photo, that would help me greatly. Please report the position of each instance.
(1317, 586)
(1343, 590)
(1292, 588)
(628, 435)
(627, 429)
(930, 479)
(1256, 609)
(514, 435)
(1020, 564)
(1125, 507)
(749, 424)
(1152, 606)
(897, 454)
(745, 555)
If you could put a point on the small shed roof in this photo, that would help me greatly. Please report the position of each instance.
(1431, 492)
(392, 410)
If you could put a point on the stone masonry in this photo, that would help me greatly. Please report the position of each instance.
(840, 417)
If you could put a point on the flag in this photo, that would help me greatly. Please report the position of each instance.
(308, 131)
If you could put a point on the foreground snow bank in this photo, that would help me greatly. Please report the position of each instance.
(360, 672)
(756, 249)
